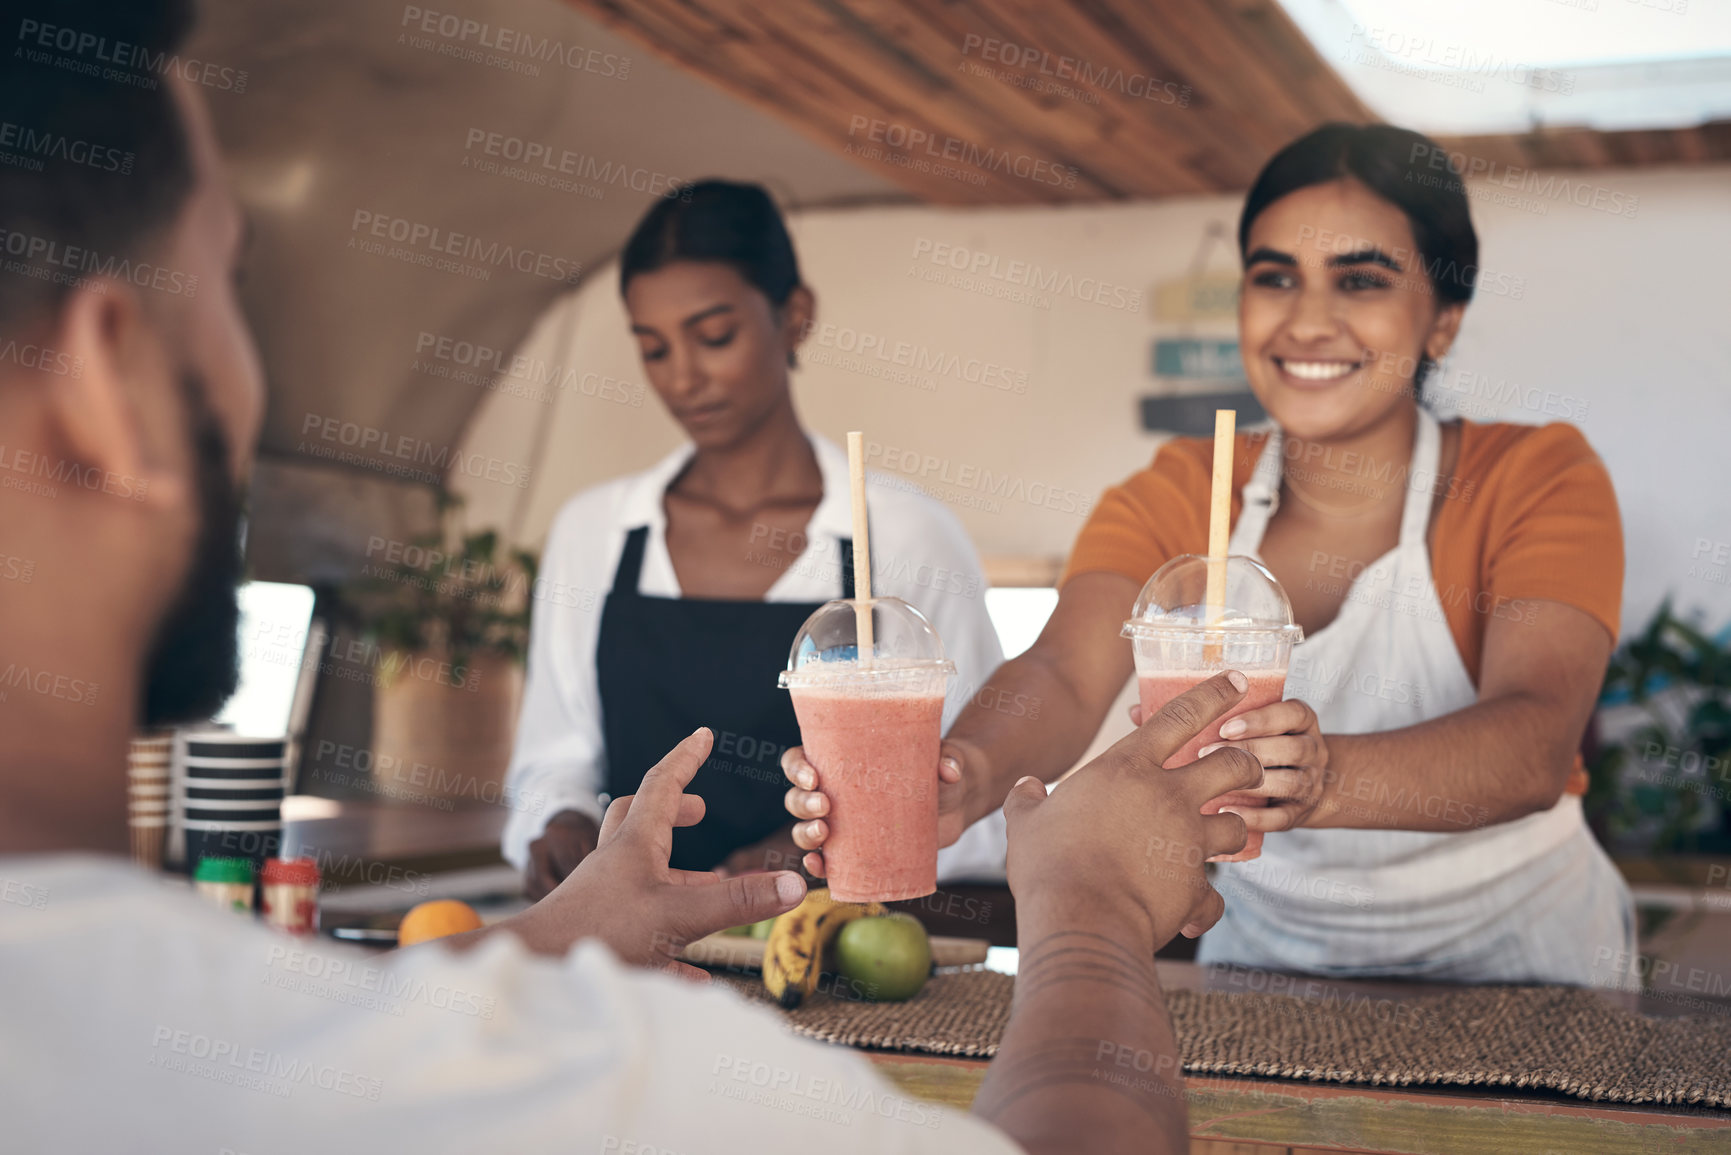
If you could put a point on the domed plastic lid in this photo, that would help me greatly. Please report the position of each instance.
(905, 647)
(1175, 601)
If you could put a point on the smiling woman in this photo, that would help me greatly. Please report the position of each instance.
(1459, 586)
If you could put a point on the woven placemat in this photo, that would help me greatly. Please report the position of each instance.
(1562, 1039)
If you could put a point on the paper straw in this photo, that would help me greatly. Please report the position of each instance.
(1220, 519)
(862, 547)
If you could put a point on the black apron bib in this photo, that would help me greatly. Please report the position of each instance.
(666, 666)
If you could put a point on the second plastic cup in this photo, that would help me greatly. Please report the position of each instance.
(1179, 642)
(871, 729)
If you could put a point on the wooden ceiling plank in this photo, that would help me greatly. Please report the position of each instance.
(666, 30)
(1137, 162)
(1179, 138)
(909, 99)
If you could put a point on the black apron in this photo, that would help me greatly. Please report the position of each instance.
(666, 666)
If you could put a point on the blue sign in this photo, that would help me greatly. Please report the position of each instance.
(1193, 358)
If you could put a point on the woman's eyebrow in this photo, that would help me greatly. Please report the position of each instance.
(724, 307)
(1274, 256)
(1370, 256)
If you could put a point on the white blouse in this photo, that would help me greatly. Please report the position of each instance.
(920, 553)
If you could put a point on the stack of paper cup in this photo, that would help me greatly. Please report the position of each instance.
(231, 796)
(148, 761)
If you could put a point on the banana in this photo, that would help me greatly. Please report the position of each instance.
(793, 953)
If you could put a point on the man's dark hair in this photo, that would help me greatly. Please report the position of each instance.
(94, 156)
(1407, 169)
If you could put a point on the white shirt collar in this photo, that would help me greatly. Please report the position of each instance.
(642, 504)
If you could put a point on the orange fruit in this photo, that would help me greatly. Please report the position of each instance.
(437, 919)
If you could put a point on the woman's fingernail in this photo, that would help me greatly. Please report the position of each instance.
(812, 805)
(1239, 682)
(788, 887)
(806, 781)
(1233, 728)
(811, 830)
(1207, 750)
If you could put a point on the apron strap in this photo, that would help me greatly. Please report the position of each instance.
(1421, 478)
(625, 578)
(846, 554)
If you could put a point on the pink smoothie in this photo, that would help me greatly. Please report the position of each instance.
(1266, 687)
(876, 756)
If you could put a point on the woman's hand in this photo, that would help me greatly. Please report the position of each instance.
(569, 838)
(777, 852)
(807, 802)
(1287, 738)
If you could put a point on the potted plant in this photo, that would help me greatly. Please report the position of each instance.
(449, 613)
(1660, 779)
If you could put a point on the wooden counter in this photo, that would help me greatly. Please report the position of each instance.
(1249, 1116)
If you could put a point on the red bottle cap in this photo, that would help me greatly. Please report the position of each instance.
(290, 872)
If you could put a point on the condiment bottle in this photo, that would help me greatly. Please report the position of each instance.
(291, 894)
(225, 881)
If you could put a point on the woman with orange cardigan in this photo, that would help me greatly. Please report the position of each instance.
(1459, 585)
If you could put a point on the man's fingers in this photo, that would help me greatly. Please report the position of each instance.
(1223, 833)
(683, 970)
(1222, 772)
(1208, 911)
(1188, 715)
(736, 901)
(657, 799)
(1023, 799)
(694, 877)
(691, 811)
(798, 771)
(810, 835)
(610, 821)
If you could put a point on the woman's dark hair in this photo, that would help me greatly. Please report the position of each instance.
(717, 220)
(1410, 171)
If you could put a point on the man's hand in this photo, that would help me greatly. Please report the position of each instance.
(1125, 839)
(808, 803)
(625, 893)
(569, 838)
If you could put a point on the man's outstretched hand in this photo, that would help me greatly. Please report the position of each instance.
(1125, 836)
(625, 894)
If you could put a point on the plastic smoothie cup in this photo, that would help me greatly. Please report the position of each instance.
(1179, 641)
(871, 729)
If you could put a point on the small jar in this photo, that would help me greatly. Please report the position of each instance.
(225, 881)
(291, 894)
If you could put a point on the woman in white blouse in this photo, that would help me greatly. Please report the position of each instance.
(679, 589)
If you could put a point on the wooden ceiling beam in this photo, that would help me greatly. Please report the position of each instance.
(1255, 82)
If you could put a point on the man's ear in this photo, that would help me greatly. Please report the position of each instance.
(113, 414)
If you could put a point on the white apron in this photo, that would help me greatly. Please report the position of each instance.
(1533, 900)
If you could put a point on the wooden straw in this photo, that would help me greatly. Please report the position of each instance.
(1219, 520)
(862, 547)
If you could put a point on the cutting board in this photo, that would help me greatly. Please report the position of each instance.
(737, 952)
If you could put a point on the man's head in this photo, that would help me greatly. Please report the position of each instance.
(130, 389)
